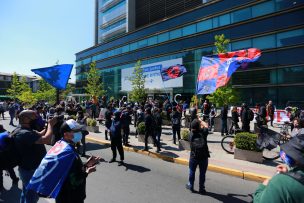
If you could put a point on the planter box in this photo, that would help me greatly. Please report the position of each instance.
(246, 155)
(166, 122)
(94, 129)
(141, 138)
(184, 145)
(218, 123)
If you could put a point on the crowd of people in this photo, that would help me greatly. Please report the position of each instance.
(44, 124)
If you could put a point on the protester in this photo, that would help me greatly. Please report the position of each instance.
(270, 111)
(30, 146)
(2, 110)
(245, 118)
(235, 120)
(108, 120)
(298, 125)
(212, 116)
(125, 124)
(176, 124)
(224, 117)
(116, 138)
(199, 154)
(82, 120)
(158, 127)
(263, 114)
(149, 128)
(12, 112)
(288, 184)
(206, 110)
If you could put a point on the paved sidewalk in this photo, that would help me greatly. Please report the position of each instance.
(220, 161)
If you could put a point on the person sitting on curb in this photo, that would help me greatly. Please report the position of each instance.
(199, 154)
(288, 184)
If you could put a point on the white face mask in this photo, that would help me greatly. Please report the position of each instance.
(77, 137)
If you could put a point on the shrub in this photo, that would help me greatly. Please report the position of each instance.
(246, 141)
(185, 134)
(91, 122)
(141, 128)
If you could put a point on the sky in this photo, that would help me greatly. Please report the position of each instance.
(38, 33)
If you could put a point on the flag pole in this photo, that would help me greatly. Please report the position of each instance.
(57, 96)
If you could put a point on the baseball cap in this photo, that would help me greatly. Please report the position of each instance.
(70, 125)
(295, 148)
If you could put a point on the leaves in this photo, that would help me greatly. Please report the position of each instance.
(94, 86)
(221, 43)
(15, 88)
(138, 93)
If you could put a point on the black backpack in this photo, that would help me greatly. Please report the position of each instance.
(198, 147)
(9, 158)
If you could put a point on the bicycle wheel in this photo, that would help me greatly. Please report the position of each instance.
(274, 153)
(227, 144)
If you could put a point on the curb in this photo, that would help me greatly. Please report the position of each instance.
(218, 169)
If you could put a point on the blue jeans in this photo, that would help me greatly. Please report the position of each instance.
(176, 130)
(224, 126)
(203, 164)
(27, 196)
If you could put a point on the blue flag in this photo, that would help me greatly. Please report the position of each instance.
(57, 76)
(173, 72)
(53, 169)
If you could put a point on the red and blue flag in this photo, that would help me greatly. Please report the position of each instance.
(173, 72)
(216, 70)
(53, 169)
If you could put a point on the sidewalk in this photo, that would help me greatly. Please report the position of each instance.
(219, 161)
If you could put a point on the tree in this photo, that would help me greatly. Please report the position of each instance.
(225, 94)
(15, 88)
(138, 93)
(24, 86)
(69, 89)
(26, 95)
(94, 86)
(45, 92)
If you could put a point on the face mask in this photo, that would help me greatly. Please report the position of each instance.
(77, 137)
(287, 159)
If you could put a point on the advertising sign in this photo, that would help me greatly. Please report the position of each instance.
(152, 76)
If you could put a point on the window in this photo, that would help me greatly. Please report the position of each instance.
(241, 44)
(224, 19)
(265, 42)
(152, 40)
(125, 49)
(163, 37)
(204, 25)
(290, 37)
(188, 30)
(241, 15)
(175, 33)
(263, 8)
(215, 22)
(133, 46)
(142, 43)
(291, 75)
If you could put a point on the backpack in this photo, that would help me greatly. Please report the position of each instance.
(198, 147)
(250, 115)
(9, 157)
(175, 119)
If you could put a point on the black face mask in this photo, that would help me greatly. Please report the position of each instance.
(34, 125)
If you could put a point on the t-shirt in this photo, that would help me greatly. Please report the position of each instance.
(31, 153)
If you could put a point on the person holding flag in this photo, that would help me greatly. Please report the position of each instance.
(61, 174)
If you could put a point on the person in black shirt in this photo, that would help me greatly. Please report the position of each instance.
(224, 115)
(149, 127)
(245, 118)
(158, 127)
(176, 124)
(108, 120)
(235, 120)
(116, 138)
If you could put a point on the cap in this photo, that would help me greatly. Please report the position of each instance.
(295, 148)
(70, 125)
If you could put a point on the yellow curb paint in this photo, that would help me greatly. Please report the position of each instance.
(211, 167)
(255, 177)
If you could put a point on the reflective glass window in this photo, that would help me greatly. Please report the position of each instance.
(240, 15)
(224, 19)
(204, 25)
(241, 44)
(133, 46)
(215, 22)
(188, 30)
(175, 33)
(125, 49)
(291, 75)
(265, 42)
(263, 8)
(290, 37)
(142, 43)
(152, 40)
(163, 37)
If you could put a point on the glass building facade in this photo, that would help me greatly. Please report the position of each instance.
(274, 26)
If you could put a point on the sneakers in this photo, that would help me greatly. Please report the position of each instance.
(121, 163)
(188, 187)
(203, 192)
(112, 160)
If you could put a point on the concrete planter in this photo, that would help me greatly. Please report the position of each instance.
(141, 138)
(184, 145)
(94, 129)
(218, 123)
(246, 155)
(166, 122)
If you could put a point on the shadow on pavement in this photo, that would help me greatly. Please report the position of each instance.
(94, 146)
(11, 195)
(171, 148)
(136, 168)
(170, 154)
(271, 162)
(227, 198)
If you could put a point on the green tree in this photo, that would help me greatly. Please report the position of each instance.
(45, 92)
(94, 86)
(26, 95)
(138, 93)
(24, 86)
(225, 94)
(15, 88)
(69, 89)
